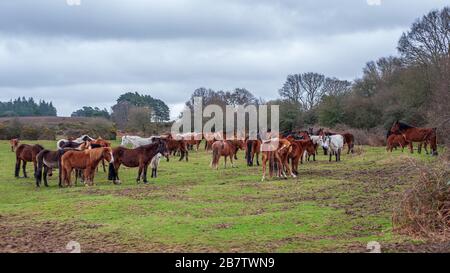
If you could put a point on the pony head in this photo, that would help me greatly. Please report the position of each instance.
(162, 147)
(125, 141)
(325, 142)
(108, 154)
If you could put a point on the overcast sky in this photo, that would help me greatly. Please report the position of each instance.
(89, 54)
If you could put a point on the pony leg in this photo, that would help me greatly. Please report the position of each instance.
(225, 162)
(264, 167)
(24, 167)
(141, 169)
(17, 173)
(411, 147)
(145, 173)
(45, 176)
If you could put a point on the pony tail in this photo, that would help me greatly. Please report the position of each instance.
(40, 165)
(216, 157)
(112, 172)
(249, 151)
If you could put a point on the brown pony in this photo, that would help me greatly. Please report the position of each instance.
(100, 143)
(140, 157)
(253, 148)
(277, 157)
(14, 144)
(413, 134)
(225, 148)
(394, 141)
(26, 153)
(86, 160)
(177, 146)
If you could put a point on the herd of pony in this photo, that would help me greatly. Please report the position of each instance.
(281, 154)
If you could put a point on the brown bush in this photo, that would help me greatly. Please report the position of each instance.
(424, 210)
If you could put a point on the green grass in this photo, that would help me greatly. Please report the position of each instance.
(331, 207)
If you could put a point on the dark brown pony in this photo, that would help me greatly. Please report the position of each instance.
(47, 161)
(14, 144)
(413, 134)
(140, 157)
(395, 141)
(178, 146)
(225, 148)
(86, 160)
(26, 153)
(253, 149)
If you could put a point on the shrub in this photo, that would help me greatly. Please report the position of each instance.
(425, 208)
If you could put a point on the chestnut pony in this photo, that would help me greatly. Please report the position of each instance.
(225, 148)
(100, 143)
(26, 153)
(86, 160)
(253, 149)
(276, 152)
(140, 157)
(14, 144)
(394, 141)
(413, 134)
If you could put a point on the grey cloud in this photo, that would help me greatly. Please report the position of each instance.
(90, 54)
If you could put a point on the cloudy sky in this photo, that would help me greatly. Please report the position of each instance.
(90, 53)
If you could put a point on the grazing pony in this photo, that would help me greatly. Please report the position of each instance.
(225, 148)
(297, 154)
(335, 144)
(14, 144)
(47, 161)
(137, 141)
(178, 146)
(26, 153)
(276, 152)
(132, 158)
(253, 149)
(86, 160)
(413, 134)
(394, 141)
(70, 143)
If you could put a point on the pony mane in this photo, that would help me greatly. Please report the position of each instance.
(403, 126)
(39, 146)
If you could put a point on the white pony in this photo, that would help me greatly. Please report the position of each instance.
(335, 144)
(136, 141)
(79, 140)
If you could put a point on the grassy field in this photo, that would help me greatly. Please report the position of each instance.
(331, 207)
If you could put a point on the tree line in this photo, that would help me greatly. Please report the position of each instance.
(22, 107)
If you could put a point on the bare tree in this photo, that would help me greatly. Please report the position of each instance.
(428, 40)
(336, 87)
(312, 83)
(292, 89)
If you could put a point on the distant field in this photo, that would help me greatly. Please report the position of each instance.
(331, 207)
